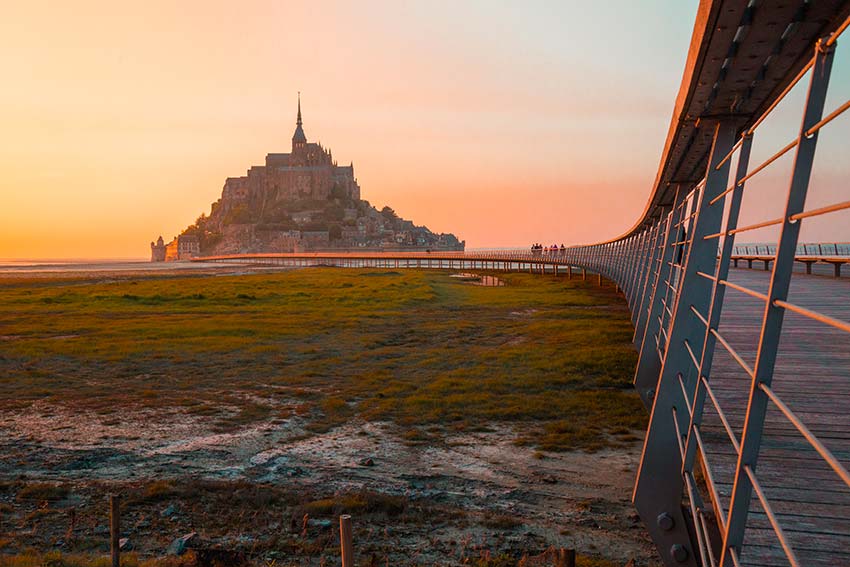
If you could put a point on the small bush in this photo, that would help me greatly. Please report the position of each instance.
(43, 491)
(500, 521)
(157, 491)
(370, 502)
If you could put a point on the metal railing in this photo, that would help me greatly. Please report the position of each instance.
(841, 249)
(677, 290)
(535, 261)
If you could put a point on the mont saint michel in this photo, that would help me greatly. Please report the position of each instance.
(298, 201)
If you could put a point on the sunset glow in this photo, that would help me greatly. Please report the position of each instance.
(502, 124)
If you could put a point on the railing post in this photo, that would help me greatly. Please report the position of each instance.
(633, 260)
(649, 360)
(115, 529)
(644, 291)
(637, 268)
(640, 266)
(651, 279)
(780, 281)
(718, 294)
(345, 544)
(659, 486)
(624, 261)
(680, 252)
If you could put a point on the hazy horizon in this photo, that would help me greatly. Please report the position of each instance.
(502, 124)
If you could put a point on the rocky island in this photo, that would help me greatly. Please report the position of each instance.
(297, 201)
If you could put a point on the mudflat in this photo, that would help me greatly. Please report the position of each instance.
(457, 423)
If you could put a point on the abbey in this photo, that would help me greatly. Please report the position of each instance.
(308, 172)
(301, 200)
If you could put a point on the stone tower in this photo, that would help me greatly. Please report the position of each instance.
(158, 250)
(299, 139)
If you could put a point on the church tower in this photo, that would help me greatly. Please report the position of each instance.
(299, 140)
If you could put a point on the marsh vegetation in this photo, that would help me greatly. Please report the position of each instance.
(552, 357)
(503, 410)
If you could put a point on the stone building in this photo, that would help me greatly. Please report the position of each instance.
(307, 172)
(158, 250)
(311, 239)
(182, 247)
(297, 201)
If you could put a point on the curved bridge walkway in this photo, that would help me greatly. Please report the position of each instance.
(503, 260)
(745, 373)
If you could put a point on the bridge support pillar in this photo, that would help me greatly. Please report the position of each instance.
(660, 484)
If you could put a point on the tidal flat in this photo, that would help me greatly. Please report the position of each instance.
(459, 424)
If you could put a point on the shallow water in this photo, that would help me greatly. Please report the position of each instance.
(478, 279)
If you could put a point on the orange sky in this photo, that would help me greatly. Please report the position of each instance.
(503, 122)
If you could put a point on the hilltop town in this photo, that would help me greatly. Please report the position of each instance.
(297, 201)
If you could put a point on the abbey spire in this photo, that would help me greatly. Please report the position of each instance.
(298, 121)
(299, 139)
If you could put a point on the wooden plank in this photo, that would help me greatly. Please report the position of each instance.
(813, 378)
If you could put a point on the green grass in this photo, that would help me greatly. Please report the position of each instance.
(551, 357)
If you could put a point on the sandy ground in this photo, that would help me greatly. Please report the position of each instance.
(572, 499)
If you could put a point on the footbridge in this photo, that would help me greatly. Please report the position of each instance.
(745, 372)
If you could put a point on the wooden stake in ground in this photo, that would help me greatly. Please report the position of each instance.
(114, 530)
(567, 558)
(345, 547)
(72, 523)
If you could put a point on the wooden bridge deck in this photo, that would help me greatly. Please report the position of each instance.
(812, 376)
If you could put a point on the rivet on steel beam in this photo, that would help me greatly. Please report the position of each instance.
(679, 552)
(665, 521)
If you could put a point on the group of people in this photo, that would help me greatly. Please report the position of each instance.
(540, 250)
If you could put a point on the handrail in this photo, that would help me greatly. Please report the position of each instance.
(716, 21)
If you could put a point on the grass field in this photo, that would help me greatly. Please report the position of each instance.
(549, 356)
(281, 383)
